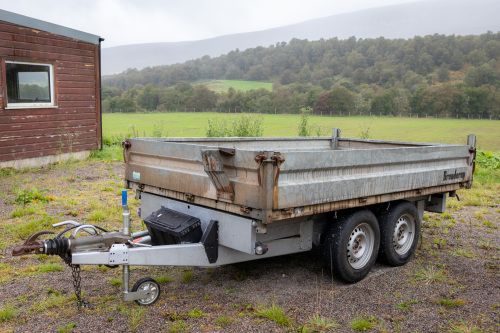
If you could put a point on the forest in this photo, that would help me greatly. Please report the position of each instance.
(432, 76)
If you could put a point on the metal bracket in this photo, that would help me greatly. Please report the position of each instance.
(118, 254)
(212, 163)
(132, 296)
(260, 228)
(306, 233)
(210, 241)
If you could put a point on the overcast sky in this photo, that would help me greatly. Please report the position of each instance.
(122, 22)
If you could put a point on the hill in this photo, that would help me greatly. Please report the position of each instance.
(448, 17)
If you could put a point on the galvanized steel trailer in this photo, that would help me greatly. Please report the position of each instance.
(260, 197)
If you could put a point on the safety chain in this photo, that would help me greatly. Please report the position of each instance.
(75, 271)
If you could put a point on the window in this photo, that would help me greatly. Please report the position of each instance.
(29, 84)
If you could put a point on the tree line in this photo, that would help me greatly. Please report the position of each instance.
(435, 75)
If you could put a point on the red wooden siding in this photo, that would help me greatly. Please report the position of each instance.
(74, 125)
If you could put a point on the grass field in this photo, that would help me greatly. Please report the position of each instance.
(223, 85)
(401, 129)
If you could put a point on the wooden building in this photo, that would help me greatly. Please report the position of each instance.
(49, 92)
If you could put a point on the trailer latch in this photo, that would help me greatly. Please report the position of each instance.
(275, 160)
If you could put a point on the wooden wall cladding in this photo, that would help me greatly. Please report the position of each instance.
(74, 123)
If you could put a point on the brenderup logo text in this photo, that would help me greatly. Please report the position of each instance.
(451, 176)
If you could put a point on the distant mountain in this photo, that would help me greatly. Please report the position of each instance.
(459, 17)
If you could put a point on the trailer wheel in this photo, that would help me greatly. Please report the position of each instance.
(151, 286)
(399, 230)
(351, 246)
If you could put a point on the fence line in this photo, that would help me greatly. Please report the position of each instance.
(317, 113)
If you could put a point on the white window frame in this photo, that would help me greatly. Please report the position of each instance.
(50, 104)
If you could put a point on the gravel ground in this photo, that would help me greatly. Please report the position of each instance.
(452, 283)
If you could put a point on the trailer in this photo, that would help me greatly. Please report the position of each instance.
(215, 201)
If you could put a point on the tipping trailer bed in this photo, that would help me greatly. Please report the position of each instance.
(210, 202)
(271, 179)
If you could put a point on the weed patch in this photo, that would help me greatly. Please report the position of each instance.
(48, 268)
(135, 318)
(196, 313)
(429, 274)
(319, 324)
(179, 327)
(363, 323)
(20, 212)
(275, 314)
(33, 195)
(223, 321)
(450, 303)
(115, 282)
(462, 326)
(66, 328)
(53, 301)
(187, 277)
(164, 279)
(7, 313)
(24, 229)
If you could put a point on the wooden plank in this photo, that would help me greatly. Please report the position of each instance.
(54, 40)
(89, 71)
(44, 111)
(70, 97)
(7, 52)
(45, 152)
(18, 144)
(69, 77)
(71, 104)
(30, 118)
(40, 125)
(55, 131)
(44, 48)
(73, 64)
(76, 84)
(76, 91)
(42, 144)
(43, 36)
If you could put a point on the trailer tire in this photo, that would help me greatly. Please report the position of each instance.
(351, 246)
(150, 285)
(399, 232)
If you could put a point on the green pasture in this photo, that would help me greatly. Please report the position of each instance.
(451, 131)
(223, 85)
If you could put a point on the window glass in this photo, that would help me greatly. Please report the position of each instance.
(29, 84)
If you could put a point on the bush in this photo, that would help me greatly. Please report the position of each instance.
(488, 159)
(243, 126)
(306, 129)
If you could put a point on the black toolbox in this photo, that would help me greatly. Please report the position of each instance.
(167, 226)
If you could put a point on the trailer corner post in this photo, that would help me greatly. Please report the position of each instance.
(336, 133)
